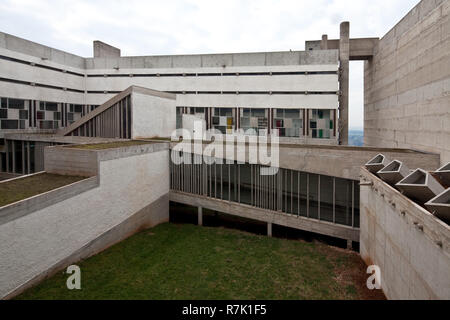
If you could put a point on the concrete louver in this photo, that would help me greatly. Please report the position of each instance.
(440, 205)
(393, 172)
(376, 163)
(443, 174)
(420, 185)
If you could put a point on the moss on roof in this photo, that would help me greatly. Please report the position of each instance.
(23, 188)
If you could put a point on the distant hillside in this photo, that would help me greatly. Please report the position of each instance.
(355, 138)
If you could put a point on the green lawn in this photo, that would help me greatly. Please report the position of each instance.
(182, 261)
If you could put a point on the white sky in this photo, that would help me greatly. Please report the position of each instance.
(203, 26)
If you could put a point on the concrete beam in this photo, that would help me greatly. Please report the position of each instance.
(269, 216)
(200, 216)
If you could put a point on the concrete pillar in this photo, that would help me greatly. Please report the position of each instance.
(349, 244)
(344, 55)
(324, 42)
(200, 216)
(13, 142)
(269, 229)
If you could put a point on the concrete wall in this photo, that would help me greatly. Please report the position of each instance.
(408, 243)
(407, 83)
(133, 182)
(152, 116)
(95, 80)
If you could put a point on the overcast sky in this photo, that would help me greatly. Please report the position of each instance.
(203, 26)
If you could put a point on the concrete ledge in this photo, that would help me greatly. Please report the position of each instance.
(85, 162)
(26, 206)
(152, 215)
(283, 219)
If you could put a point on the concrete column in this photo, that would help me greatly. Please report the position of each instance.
(349, 244)
(344, 55)
(13, 142)
(200, 216)
(269, 229)
(324, 42)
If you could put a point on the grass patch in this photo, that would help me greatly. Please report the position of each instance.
(108, 145)
(19, 189)
(174, 261)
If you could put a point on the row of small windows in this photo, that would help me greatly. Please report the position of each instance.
(315, 123)
(22, 114)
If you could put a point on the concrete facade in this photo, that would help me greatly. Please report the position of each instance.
(408, 243)
(133, 181)
(407, 83)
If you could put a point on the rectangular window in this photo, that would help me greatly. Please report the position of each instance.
(288, 122)
(23, 114)
(78, 108)
(16, 104)
(4, 103)
(56, 115)
(40, 115)
(3, 113)
(10, 124)
(51, 106)
(42, 105)
(46, 124)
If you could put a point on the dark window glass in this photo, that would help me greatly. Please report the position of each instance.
(40, 115)
(71, 108)
(46, 124)
(55, 124)
(10, 124)
(70, 116)
(51, 106)
(3, 113)
(23, 114)
(56, 115)
(78, 108)
(22, 124)
(42, 105)
(4, 103)
(16, 104)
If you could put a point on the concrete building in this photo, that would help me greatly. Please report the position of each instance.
(50, 99)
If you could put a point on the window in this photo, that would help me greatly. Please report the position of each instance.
(23, 114)
(321, 124)
(16, 104)
(3, 113)
(223, 120)
(51, 106)
(78, 108)
(254, 119)
(56, 115)
(288, 122)
(47, 124)
(4, 103)
(40, 115)
(10, 124)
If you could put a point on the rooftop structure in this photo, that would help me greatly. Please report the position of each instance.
(113, 119)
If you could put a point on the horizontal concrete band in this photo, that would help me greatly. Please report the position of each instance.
(155, 213)
(23, 207)
(269, 216)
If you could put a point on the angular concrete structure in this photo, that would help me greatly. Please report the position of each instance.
(376, 163)
(393, 172)
(440, 205)
(443, 174)
(420, 185)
